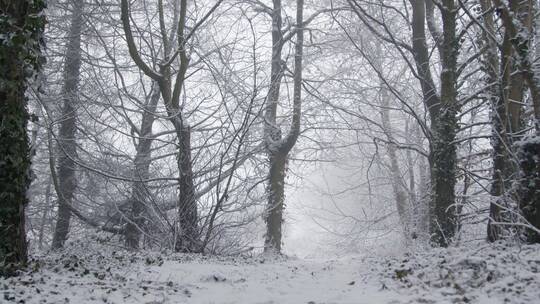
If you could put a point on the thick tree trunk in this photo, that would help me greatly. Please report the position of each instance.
(188, 236)
(276, 199)
(142, 162)
(68, 146)
(14, 158)
(444, 215)
(443, 178)
(21, 19)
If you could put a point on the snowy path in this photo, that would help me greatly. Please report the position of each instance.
(281, 282)
(210, 281)
(479, 273)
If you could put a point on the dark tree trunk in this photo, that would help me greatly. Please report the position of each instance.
(14, 161)
(67, 143)
(276, 199)
(188, 236)
(20, 19)
(529, 158)
(443, 114)
(275, 187)
(443, 178)
(444, 214)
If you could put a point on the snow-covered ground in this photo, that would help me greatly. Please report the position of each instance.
(94, 273)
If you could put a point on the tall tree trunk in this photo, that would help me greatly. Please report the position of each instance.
(443, 114)
(68, 145)
(506, 97)
(278, 147)
(499, 139)
(187, 234)
(276, 175)
(517, 21)
(22, 25)
(444, 156)
(142, 162)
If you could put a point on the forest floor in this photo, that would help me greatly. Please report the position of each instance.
(94, 273)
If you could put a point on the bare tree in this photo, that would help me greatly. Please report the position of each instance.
(67, 180)
(171, 90)
(277, 145)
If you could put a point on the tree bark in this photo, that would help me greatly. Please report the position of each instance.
(444, 215)
(187, 234)
(443, 114)
(67, 134)
(22, 27)
(276, 199)
(505, 98)
(421, 58)
(278, 147)
(142, 162)
(517, 21)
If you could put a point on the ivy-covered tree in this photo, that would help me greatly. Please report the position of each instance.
(21, 28)
(277, 145)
